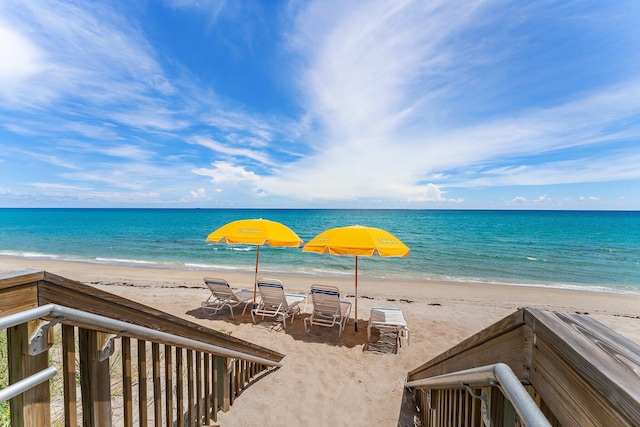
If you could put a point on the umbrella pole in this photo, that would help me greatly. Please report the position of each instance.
(255, 277)
(356, 293)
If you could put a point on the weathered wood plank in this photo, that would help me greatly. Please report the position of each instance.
(18, 298)
(206, 378)
(510, 322)
(32, 288)
(95, 384)
(496, 405)
(224, 385)
(190, 408)
(58, 290)
(602, 365)
(32, 407)
(245, 373)
(198, 410)
(69, 375)
(582, 372)
(168, 378)
(571, 399)
(179, 388)
(513, 347)
(21, 277)
(606, 355)
(157, 386)
(143, 414)
(127, 382)
(215, 391)
(233, 381)
(442, 399)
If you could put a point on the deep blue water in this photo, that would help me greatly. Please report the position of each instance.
(596, 250)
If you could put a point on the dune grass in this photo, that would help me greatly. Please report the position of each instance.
(55, 383)
(5, 418)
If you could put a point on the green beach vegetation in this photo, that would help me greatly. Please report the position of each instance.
(56, 383)
(5, 419)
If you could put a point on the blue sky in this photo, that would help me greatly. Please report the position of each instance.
(328, 104)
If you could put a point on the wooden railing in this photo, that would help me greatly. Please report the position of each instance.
(123, 361)
(578, 372)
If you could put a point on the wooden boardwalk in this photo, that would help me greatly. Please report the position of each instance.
(579, 372)
(183, 378)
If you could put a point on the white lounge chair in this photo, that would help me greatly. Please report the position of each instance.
(328, 309)
(223, 296)
(389, 319)
(275, 303)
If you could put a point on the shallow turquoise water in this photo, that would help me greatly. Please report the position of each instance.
(596, 250)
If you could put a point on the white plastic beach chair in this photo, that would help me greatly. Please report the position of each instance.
(389, 319)
(275, 303)
(328, 309)
(223, 296)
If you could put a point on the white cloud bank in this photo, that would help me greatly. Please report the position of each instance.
(392, 103)
(371, 80)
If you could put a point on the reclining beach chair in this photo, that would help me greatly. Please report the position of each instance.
(388, 319)
(275, 303)
(223, 296)
(328, 309)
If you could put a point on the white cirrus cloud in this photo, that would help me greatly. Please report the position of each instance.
(54, 186)
(226, 172)
(231, 151)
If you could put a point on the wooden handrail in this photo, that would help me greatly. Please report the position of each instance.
(106, 324)
(216, 370)
(38, 288)
(594, 368)
(497, 374)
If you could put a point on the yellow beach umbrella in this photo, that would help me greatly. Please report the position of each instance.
(255, 232)
(358, 241)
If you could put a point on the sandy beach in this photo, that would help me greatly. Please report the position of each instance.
(327, 380)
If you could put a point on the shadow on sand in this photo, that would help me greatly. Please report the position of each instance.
(384, 344)
(380, 343)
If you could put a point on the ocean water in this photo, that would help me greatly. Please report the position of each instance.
(589, 250)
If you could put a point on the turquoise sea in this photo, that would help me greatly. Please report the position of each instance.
(590, 250)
